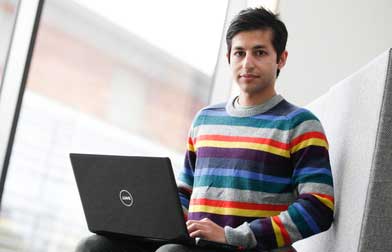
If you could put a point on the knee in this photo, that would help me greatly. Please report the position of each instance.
(172, 248)
(94, 243)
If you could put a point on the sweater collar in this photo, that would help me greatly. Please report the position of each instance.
(233, 110)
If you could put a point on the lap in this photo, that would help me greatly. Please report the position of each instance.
(99, 243)
(184, 248)
(181, 248)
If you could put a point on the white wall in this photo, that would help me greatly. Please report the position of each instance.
(329, 40)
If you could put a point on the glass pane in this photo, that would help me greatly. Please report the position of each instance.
(102, 83)
(8, 10)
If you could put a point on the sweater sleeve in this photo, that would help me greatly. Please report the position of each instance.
(312, 211)
(185, 179)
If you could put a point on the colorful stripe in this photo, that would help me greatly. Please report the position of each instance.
(184, 190)
(239, 205)
(264, 233)
(278, 233)
(306, 136)
(238, 173)
(258, 140)
(242, 196)
(190, 146)
(186, 178)
(241, 183)
(311, 170)
(270, 166)
(284, 124)
(184, 202)
(300, 222)
(242, 121)
(309, 142)
(243, 131)
(235, 209)
(307, 217)
(301, 118)
(244, 154)
(243, 145)
(314, 178)
(187, 171)
(325, 199)
(281, 231)
(223, 113)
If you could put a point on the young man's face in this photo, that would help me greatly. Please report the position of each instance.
(253, 61)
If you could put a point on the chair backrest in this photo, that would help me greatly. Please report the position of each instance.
(357, 116)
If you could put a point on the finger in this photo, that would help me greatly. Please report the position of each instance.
(190, 222)
(195, 226)
(206, 220)
(191, 228)
(197, 233)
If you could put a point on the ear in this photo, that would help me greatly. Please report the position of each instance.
(282, 59)
(228, 57)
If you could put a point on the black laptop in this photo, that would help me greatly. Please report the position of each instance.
(133, 197)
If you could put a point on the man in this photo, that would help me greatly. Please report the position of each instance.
(257, 171)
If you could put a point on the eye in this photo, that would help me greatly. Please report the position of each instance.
(260, 53)
(239, 53)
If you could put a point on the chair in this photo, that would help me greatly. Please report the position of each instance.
(357, 116)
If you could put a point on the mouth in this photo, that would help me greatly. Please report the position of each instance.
(248, 76)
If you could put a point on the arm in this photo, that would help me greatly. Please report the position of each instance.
(312, 212)
(185, 180)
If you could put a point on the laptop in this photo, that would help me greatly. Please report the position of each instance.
(133, 197)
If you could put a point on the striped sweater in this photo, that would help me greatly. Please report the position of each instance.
(266, 168)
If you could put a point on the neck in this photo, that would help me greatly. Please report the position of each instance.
(247, 99)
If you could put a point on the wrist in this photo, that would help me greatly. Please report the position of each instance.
(240, 236)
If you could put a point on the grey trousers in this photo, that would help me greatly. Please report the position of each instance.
(98, 243)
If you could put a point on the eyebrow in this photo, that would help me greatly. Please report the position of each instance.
(253, 48)
(259, 47)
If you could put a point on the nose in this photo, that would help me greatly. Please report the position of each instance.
(248, 62)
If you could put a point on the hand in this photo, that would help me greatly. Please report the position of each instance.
(206, 229)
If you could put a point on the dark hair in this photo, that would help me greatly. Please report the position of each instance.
(259, 19)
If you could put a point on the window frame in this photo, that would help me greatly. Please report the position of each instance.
(15, 77)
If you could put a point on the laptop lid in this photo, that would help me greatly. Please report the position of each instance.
(131, 196)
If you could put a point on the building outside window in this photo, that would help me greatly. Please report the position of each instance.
(100, 85)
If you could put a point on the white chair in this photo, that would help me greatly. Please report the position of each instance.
(357, 116)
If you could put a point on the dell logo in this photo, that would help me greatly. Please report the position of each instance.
(126, 198)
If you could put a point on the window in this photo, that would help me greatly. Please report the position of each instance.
(8, 10)
(100, 84)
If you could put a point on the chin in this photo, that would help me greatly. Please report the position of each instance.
(250, 88)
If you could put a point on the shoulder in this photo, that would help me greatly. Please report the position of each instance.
(299, 118)
(294, 113)
(305, 124)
